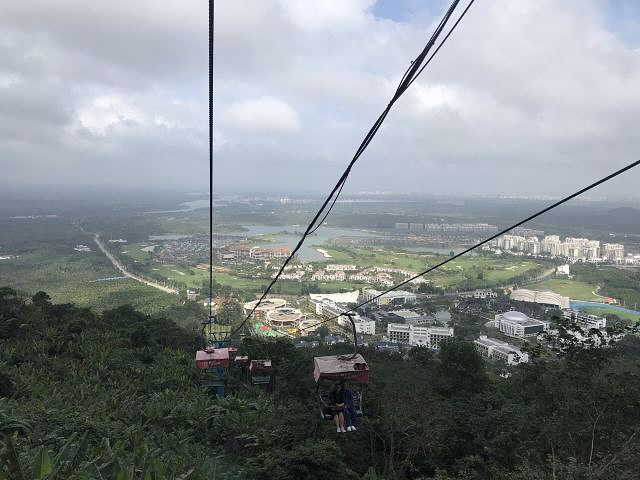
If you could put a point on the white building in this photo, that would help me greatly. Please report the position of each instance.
(585, 320)
(563, 270)
(430, 337)
(340, 268)
(396, 297)
(328, 277)
(613, 251)
(543, 298)
(517, 324)
(482, 294)
(363, 324)
(494, 348)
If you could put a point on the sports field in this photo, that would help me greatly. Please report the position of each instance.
(568, 288)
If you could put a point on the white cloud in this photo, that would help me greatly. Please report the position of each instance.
(262, 115)
(522, 88)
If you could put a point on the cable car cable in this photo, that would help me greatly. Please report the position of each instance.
(410, 74)
(399, 86)
(211, 17)
(506, 230)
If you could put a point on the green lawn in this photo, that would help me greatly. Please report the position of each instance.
(135, 251)
(569, 288)
(494, 270)
(602, 311)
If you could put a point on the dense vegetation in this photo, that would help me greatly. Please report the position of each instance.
(613, 282)
(116, 395)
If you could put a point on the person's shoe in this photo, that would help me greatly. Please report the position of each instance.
(343, 430)
(349, 428)
(353, 428)
(338, 430)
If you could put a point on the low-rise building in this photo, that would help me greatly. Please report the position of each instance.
(494, 348)
(411, 317)
(284, 317)
(481, 294)
(192, 294)
(363, 324)
(340, 268)
(517, 324)
(430, 337)
(396, 297)
(585, 320)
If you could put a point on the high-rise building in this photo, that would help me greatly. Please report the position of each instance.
(613, 251)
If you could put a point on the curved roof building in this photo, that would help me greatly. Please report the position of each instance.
(267, 305)
(284, 317)
(544, 298)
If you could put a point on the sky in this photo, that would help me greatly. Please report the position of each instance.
(528, 97)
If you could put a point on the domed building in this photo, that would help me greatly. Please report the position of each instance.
(517, 324)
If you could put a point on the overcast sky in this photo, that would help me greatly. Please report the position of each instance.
(527, 97)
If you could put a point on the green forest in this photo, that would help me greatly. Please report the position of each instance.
(115, 395)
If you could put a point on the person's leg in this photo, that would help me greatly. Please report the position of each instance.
(336, 419)
(352, 417)
(341, 415)
(348, 420)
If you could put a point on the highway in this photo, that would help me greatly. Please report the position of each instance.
(123, 270)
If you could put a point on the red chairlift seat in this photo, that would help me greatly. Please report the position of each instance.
(212, 358)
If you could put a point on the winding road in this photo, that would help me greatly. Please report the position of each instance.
(121, 268)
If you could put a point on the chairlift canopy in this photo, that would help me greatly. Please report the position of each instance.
(212, 358)
(341, 367)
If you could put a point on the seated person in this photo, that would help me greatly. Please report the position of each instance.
(336, 400)
(349, 409)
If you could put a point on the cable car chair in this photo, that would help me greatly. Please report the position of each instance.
(334, 368)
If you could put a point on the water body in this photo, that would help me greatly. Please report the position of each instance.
(307, 253)
(580, 304)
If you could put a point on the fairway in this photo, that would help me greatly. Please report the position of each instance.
(465, 272)
(568, 288)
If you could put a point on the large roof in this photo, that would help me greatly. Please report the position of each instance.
(546, 297)
(266, 304)
(515, 316)
(346, 297)
(341, 367)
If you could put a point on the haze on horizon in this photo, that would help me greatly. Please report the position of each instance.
(527, 97)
